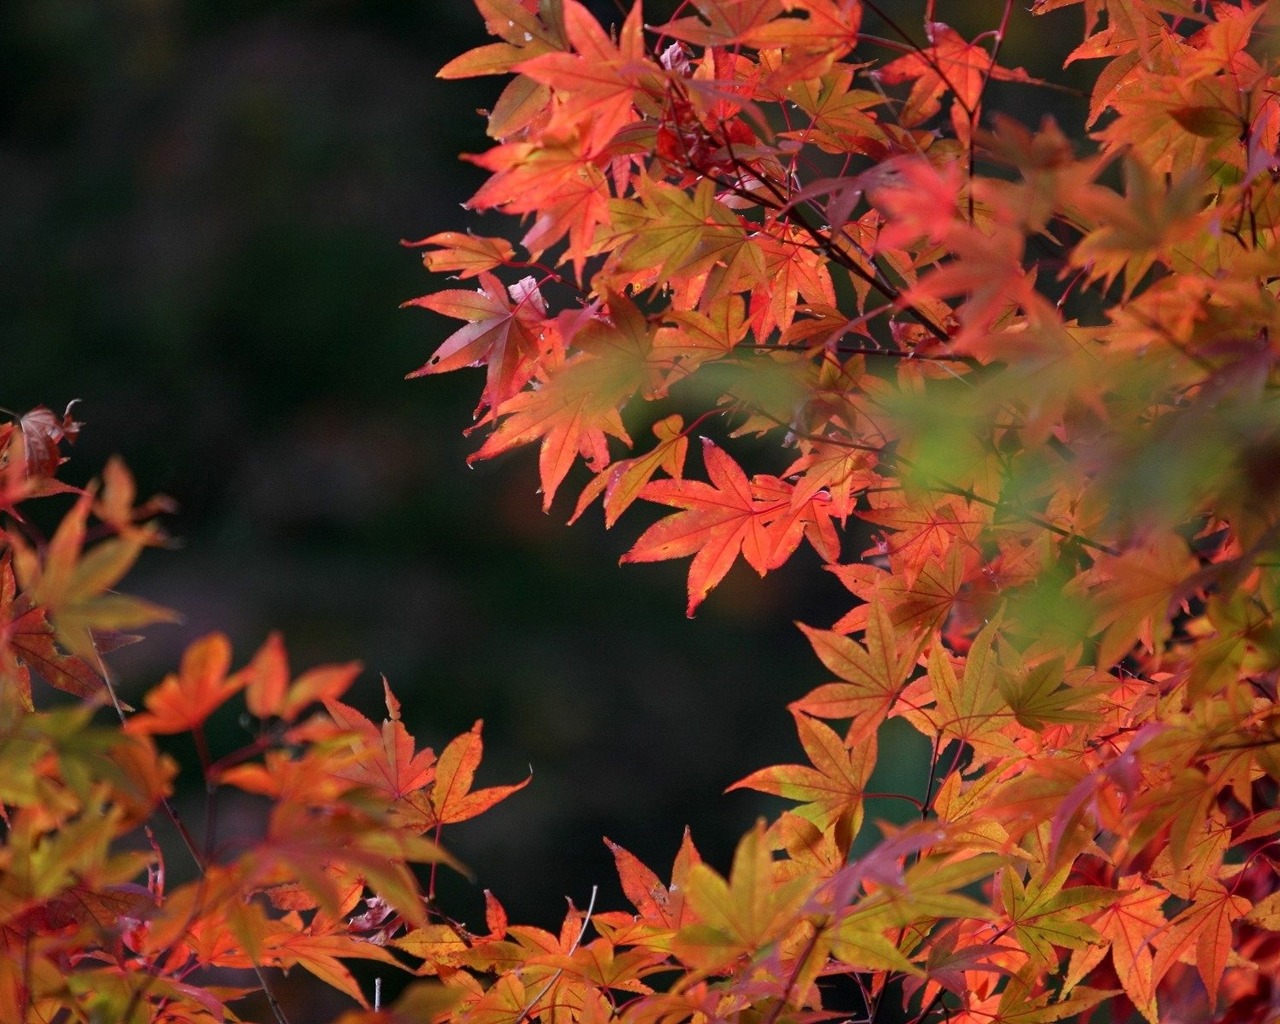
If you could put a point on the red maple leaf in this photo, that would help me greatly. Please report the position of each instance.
(731, 515)
(502, 333)
(948, 64)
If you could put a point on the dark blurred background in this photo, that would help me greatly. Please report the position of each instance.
(199, 228)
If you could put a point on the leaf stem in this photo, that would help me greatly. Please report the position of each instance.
(525, 1011)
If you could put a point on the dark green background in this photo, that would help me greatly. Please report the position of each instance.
(199, 232)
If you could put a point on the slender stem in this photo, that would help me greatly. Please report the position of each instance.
(869, 350)
(431, 880)
(784, 208)
(793, 980)
(527, 1009)
(933, 777)
(827, 244)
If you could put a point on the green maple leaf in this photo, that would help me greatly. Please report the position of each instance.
(743, 914)
(1045, 915)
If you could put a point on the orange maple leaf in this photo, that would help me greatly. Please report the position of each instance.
(556, 180)
(184, 701)
(468, 254)
(872, 675)
(662, 908)
(726, 21)
(1202, 934)
(385, 759)
(574, 410)
(626, 478)
(269, 694)
(452, 798)
(596, 84)
(1129, 926)
(830, 791)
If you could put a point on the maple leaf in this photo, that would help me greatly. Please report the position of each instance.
(596, 84)
(517, 20)
(723, 22)
(385, 759)
(739, 915)
(73, 585)
(1045, 915)
(923, 893)
(578, 406)
(720, 520)
(320, 951)
(329, 849)
(839, 471)
(872, 675)
(470, 255)
(1022, 1001)
(925, 529)
(662, 909)
(1133, 592)
(43, 434)
(269, 694)
(452, 798)
(116, 507)
(987, 268)
(522, 31)
(858, 943)
(915, 608)
(830, 792)
(27, 639)
(435, 944)
(501, 333)
(1044, 693)
(794, 269)
(1109, 782)
(670, 233)
(558, 182)
(1202, 934)
(691, 337)
(1128, 927)
(16, 484)
(810, 45)
(948, 64)
(972, 711)
(184, 700)
(626, 478)
(1134, 230)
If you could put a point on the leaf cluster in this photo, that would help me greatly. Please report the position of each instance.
(92, 926)
(1037, 366)
(1049, 400)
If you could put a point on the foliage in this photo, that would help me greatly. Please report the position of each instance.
(1044, 378)
(1043, 374)
(91, 926)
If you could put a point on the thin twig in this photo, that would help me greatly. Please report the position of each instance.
(527, 1009)
(277, 1011)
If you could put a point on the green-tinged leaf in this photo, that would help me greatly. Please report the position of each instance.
(743, 914)
(1045, 915)
(873, 675)
(830, 792)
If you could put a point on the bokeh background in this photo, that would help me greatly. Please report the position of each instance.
(200, 209)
